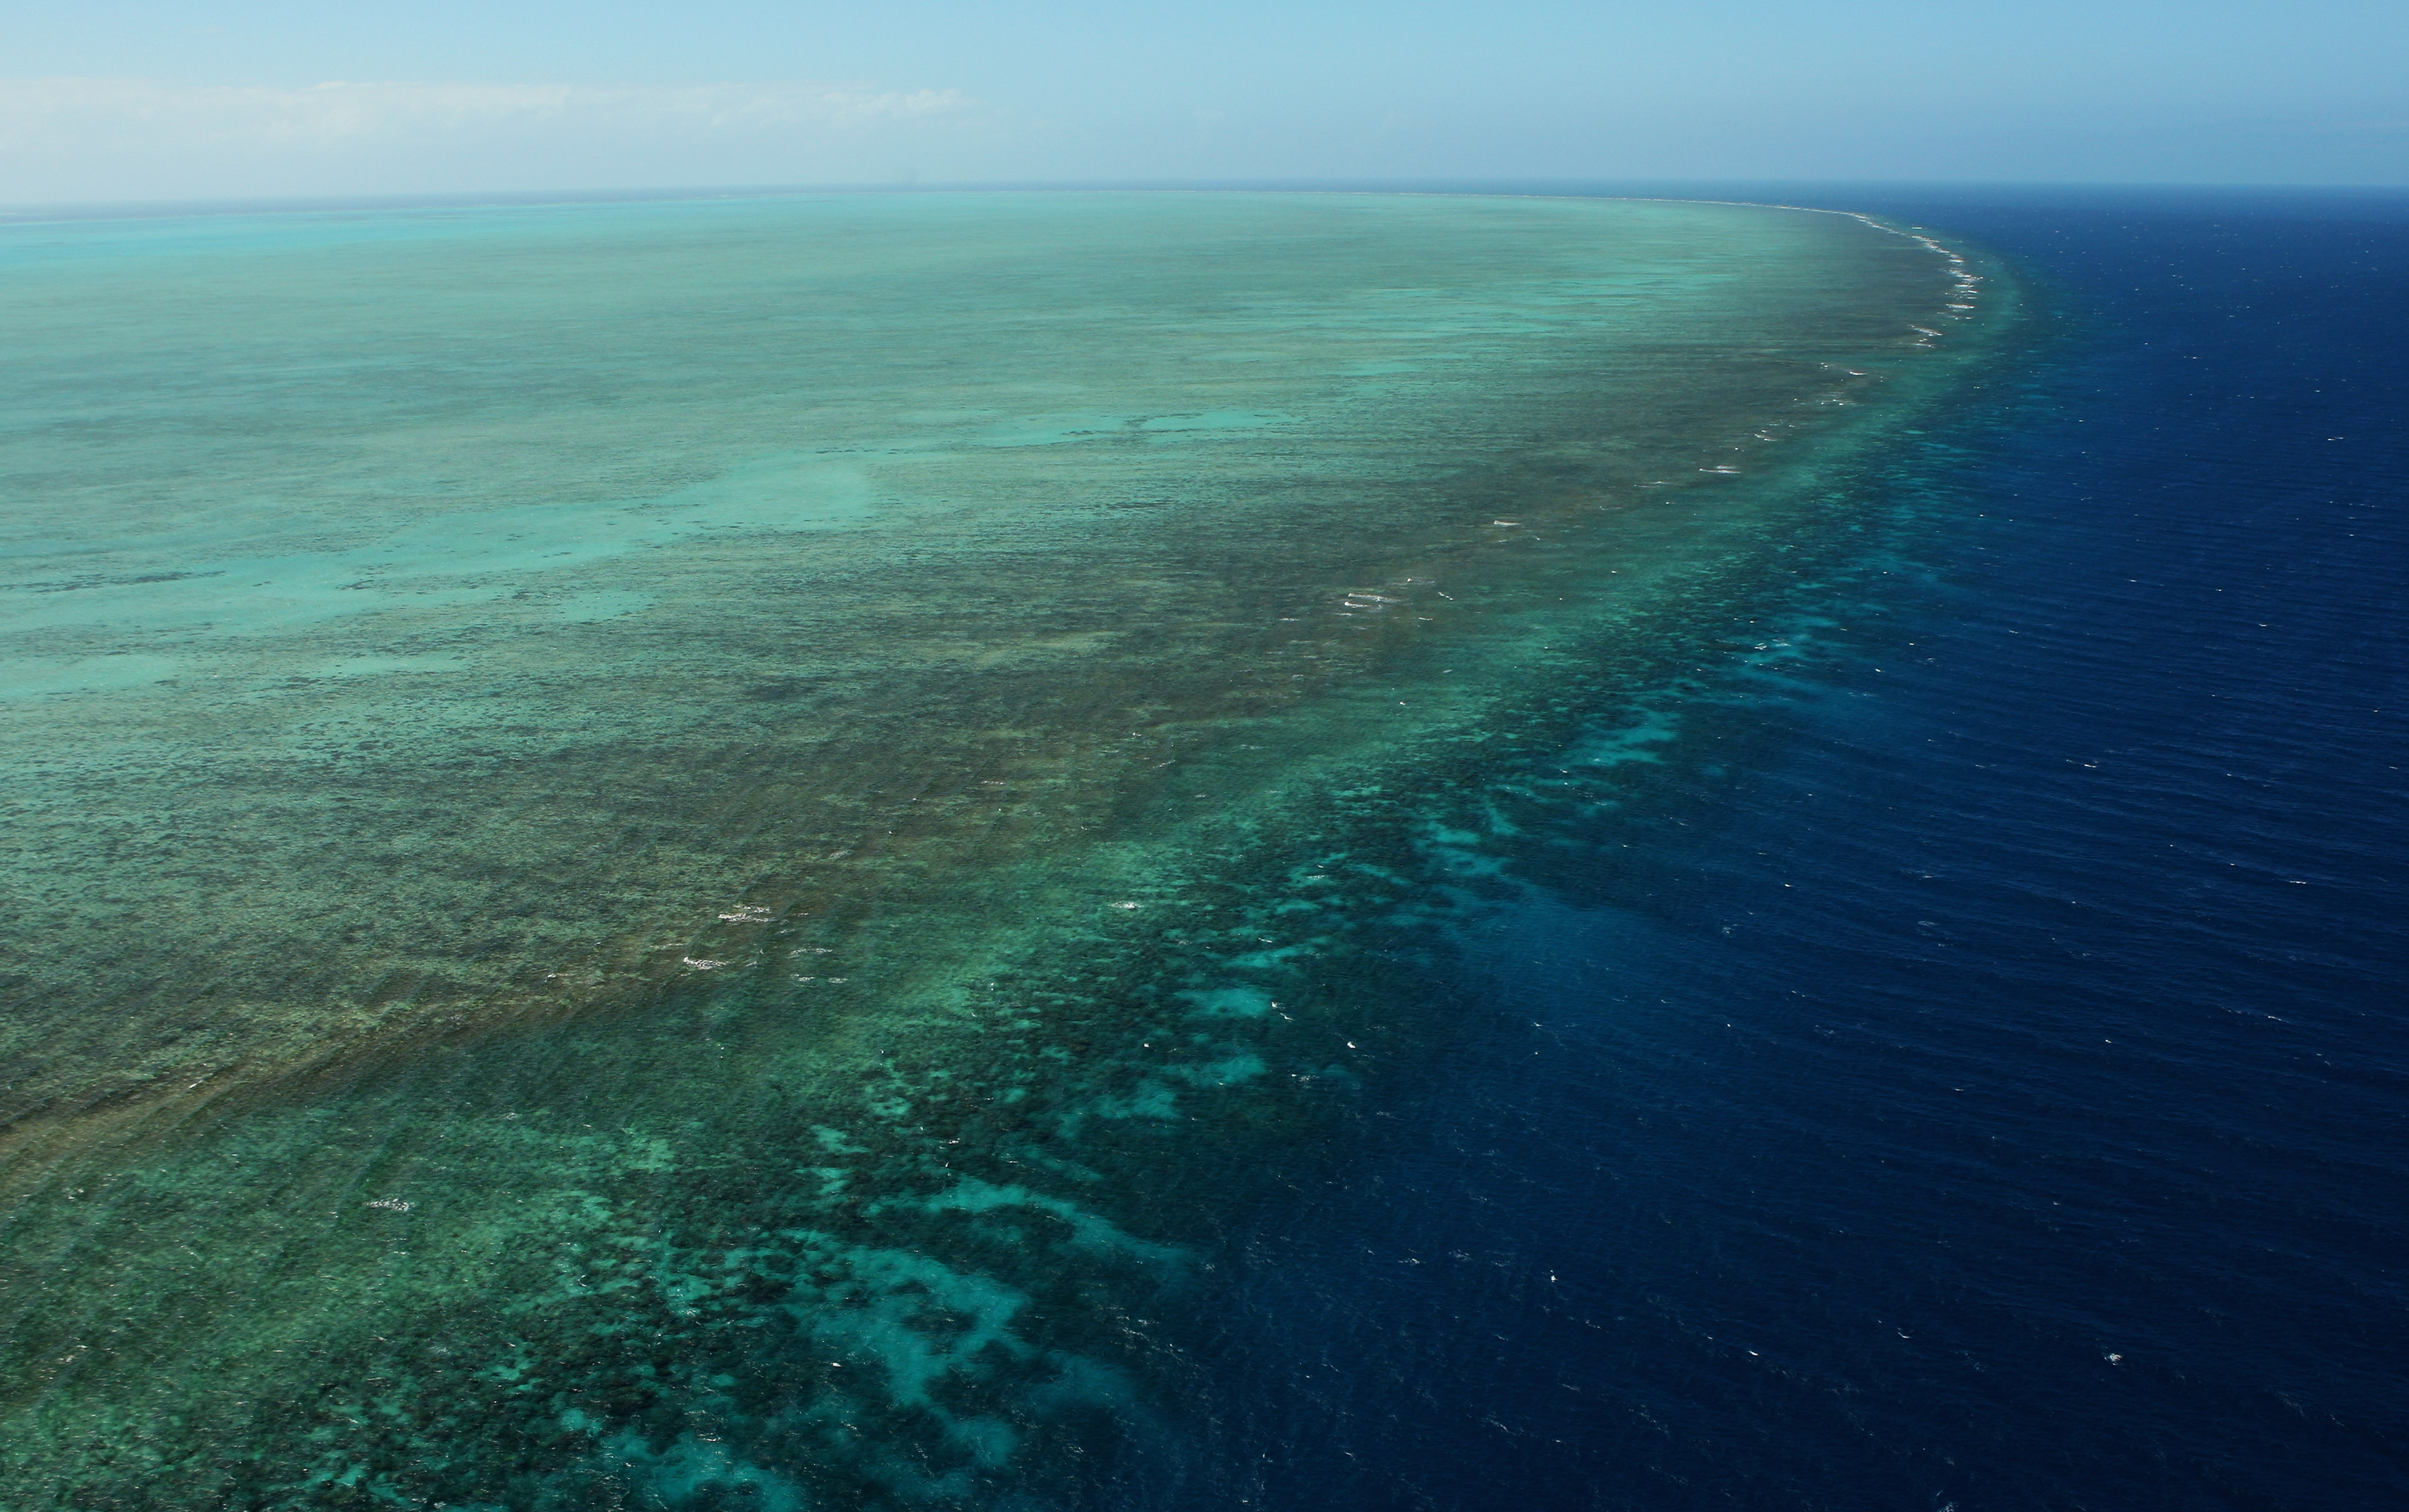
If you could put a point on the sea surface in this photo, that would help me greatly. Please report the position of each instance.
(1981, 1077)
(1206, 850)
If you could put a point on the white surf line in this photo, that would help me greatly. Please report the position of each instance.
(1960, 308)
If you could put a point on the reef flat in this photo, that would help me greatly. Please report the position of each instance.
(677, 854)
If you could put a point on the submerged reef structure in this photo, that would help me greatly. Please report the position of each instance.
(687, 854)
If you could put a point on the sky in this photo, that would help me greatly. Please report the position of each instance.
(150, 100)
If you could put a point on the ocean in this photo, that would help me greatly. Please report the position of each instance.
(1978, 1080)
(1131, 851)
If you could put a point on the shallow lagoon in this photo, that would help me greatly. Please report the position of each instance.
(684, 852)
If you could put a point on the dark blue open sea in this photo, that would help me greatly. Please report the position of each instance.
(1988, 1085)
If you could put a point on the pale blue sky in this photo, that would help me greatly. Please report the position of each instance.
(119, 99)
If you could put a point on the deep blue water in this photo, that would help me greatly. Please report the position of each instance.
(1988, 1087)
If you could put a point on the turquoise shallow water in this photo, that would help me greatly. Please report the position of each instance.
(680, 852)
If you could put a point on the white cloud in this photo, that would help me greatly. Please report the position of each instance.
(90, 139)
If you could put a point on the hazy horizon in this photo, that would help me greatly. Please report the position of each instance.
(162, 100)
(1822, 194)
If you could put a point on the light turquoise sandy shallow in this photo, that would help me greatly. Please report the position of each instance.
(675, 851)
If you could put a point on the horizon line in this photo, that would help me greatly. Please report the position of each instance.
(54, 211)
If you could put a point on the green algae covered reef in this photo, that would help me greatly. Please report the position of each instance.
(693, 855)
